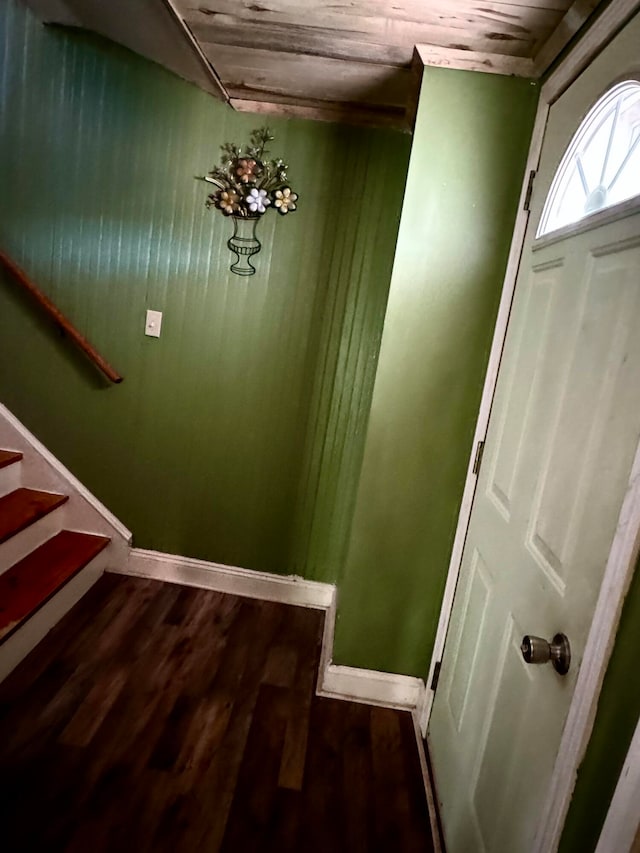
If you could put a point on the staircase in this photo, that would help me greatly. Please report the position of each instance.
(55, 541)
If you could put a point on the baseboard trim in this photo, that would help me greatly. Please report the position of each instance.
(285, 589)
(390, 690)
(326, 650)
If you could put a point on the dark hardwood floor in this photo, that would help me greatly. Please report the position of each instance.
(162, 718)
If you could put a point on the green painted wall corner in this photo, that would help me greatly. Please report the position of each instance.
(463, 185)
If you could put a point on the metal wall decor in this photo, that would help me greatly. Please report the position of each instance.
(247, 186)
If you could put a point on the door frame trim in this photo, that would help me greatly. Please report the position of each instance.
(607, 25)
(599, 645)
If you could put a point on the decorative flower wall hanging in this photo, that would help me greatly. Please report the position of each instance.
(247, 186)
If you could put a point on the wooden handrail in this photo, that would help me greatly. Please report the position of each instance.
(59, 319)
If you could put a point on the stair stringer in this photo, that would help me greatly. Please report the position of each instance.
(40, 469)
(83, 512)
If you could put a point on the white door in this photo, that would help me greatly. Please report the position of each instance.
(563, 433)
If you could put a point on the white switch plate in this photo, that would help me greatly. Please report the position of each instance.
(153, 324)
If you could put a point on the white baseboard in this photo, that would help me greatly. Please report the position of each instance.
(344, 682)
(285, 589)
(339, 682)
(374, 688)
(328, 632)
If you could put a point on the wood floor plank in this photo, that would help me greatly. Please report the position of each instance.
(201, 744)
(356, 767)
(394, 820)
(286, 831)
(323, 803)
(160, 718)
(129, 731)
(255, 629)
(88, 718)
(31, 782)
(182, 825)
(420, 825)
(255, 790)
(294, 752)
(281, 665)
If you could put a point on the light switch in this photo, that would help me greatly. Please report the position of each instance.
(153, 324)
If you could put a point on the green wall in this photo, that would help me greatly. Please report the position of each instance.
(466, 168)
(237, 436)
(616, 719)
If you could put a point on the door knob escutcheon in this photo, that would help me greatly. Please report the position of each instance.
(558, 651)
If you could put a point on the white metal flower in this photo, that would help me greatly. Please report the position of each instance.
(257, 201)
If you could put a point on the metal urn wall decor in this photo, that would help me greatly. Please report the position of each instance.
(247, 186)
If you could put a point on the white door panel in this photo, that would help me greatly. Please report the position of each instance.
(564, 429)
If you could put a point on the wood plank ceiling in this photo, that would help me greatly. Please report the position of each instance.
(352, 58)
(347, 60)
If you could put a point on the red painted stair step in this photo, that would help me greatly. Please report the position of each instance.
(32, 581)
(22, 507)
(8, 457)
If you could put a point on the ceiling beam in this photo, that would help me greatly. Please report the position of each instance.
(341, 112)
(308, 77)
(474, 60)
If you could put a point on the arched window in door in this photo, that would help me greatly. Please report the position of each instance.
(601, 166)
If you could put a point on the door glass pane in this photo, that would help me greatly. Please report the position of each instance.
(601, 166)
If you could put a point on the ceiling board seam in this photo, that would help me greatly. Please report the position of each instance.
(404, 66)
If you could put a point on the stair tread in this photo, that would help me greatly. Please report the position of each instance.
(8, 457)
(31, 582)
(22, 507)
